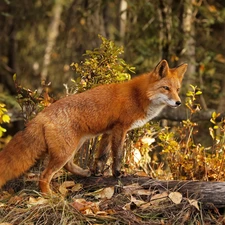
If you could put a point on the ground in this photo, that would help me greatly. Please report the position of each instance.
(102, 200)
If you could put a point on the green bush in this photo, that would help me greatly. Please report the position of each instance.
(103, 65)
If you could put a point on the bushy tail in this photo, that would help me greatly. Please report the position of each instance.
(21, 152)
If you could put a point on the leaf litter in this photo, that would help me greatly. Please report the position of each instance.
(132, 205)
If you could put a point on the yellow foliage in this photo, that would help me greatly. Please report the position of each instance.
(4, 118)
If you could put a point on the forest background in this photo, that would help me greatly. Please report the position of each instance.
(40, 39)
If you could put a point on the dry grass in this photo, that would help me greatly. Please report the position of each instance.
(31, 208)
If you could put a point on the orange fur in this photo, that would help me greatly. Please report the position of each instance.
(111, 110)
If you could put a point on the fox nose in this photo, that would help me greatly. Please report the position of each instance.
(178, 103)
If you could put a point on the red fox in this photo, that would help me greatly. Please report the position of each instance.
(111, 109)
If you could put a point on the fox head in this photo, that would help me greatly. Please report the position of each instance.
(165, 84)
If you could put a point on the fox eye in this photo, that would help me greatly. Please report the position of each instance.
(166, 88)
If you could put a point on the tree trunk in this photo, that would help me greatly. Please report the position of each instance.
(123, 18)
(9, 68)
(53, 31)
(221, 106)
(182, 113)
(188, 48)
(95, 22)
(174, 115)
(165, 28)
(209, 194)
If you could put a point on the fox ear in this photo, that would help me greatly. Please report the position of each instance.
(162, 68)
(181, 69)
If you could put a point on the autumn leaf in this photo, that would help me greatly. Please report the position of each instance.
(194, 203)
(220, 58)
(6, 224)
(107, 193)
(158, 198)
(147, 140)
(212, 8)
(76, 187)
(85, 207)
(176, 197)
(136, 203)
(63, 189)
(37, 201)
(130, 189)
(2, 205)
(135, 188)
(103, 193)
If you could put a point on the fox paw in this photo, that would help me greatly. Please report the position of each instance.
(87, 173)
(98, 174)
(118, 173)
(97, 170)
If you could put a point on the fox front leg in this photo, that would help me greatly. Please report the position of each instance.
(118, 137)
(102, 154)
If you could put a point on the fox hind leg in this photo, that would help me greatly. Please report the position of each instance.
(76, 170)
(61, 151)
(102, 155)
(53, 166)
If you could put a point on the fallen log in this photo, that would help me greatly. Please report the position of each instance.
(208, 194)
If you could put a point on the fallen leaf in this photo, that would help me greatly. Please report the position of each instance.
(107, 193)
(135, 203)
(88, 211)
(130, 189)
(68, 184)
(37, 201)
(136, 189)
(6, 224)
(85, 207)
(137, 155)
(103, 193)
(194, 203)
(147, 140)
(176, 197)
(2, 205)
(15, 200)
(77, 187)
(141, 174)
(63, 189)
(157, 198)
(143, 192)
(80, 206)
(106, 212)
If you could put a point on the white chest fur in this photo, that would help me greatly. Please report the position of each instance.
(152, 112)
